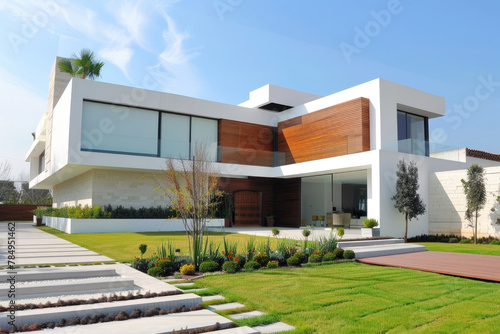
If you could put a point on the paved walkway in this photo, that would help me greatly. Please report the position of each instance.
(33, 246)
(484, 267)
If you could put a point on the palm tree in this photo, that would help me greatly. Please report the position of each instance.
(84, 66)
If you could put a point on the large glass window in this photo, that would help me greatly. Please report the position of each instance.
(316, 199)
(204, 131)
(412, 134)
(119, 129)
(108, 128)
(174, 142)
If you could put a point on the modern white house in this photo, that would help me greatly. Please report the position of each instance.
(305, 158)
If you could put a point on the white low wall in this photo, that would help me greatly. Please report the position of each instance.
(75, 226)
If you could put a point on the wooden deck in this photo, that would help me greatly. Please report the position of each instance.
(483, 267)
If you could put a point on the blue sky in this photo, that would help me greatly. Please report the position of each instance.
(222, 49)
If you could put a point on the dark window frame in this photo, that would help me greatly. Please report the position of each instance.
(426, 128)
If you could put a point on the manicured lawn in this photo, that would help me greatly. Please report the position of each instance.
(123, 247)
(359, 298)
(462, 248)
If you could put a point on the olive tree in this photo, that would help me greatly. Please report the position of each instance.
(407, 198)
(191, 187)
(475, 193)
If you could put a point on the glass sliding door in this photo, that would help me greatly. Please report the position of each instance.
(316, 199)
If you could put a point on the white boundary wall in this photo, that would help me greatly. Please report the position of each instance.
(81, 226)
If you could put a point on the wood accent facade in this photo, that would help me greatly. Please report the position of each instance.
(287, 205)
(280, 197)
(337, 130)
(245, 143)
(18, 211)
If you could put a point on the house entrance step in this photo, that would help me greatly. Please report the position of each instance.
(152, 325)
(363, 243)
(227, 306)
(383, 250)
(68, 312)
(274, 328)
(245, 315)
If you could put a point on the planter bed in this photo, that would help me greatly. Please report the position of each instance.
(75, 226)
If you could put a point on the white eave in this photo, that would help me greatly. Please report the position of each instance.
(36, 149)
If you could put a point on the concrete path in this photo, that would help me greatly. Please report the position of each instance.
(484, 267)
(33, 246)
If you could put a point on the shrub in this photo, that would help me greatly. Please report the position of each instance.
(495, 242)
(349, 254)
(306, 233)
(263, 259)
(280, 258)
(209, 266)
(188, 269)
(231, 267)
(242, 260)
(465, 241)
(329, 257)
(432, 238)
(453, 240)
(252, 265)
(275, 231)
(155, 271)
(302, 257)
(294, 261)
(340, 232)
(166, 266)
(141, 265)
(339, 253)
(315, 258)
(370, 222)
(273, 264)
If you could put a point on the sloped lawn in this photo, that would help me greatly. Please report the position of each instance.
(359, 298)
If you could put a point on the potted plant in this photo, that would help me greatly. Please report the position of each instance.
(368, 231)
(270, 220)
(38, 217)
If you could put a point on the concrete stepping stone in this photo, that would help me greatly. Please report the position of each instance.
(56, 287)
(215, 297)
(55, 314)
(192, 290)
(183, 284)
(152, 325)
(227, 306)
(173, 280)
(42, 274)
(246, 315)
(237, 330)
(273, 328)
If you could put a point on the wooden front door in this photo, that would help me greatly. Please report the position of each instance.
(247, 208)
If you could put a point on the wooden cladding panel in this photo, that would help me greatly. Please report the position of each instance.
(245, 143)
(337, 130)
(287, 202)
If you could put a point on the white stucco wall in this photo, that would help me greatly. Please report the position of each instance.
(448, 204)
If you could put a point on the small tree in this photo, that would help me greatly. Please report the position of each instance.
(475, 192)
(408, 201)
(191, 188)
(84, 65)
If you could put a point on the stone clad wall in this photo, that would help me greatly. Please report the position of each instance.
(447, 204)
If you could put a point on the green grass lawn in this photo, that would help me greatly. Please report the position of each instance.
(462, 248)
(358, 298)
(123, 247)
